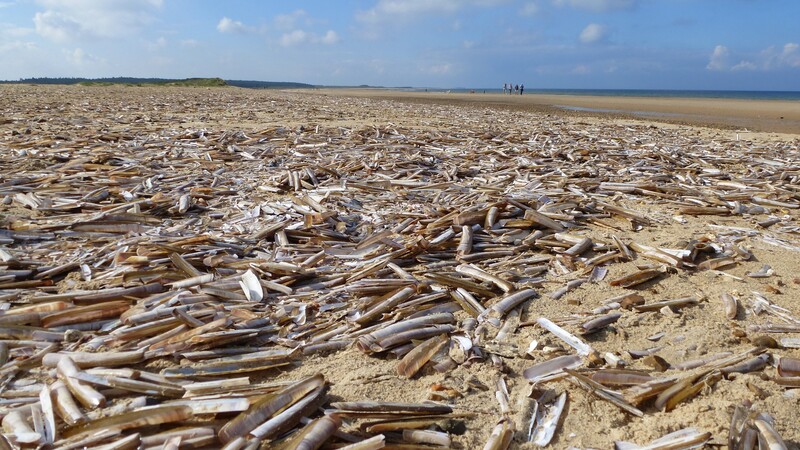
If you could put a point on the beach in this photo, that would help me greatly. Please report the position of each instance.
(405, 248)
(767, 116)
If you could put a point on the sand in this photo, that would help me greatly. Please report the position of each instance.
(772, 117)
(588, 422)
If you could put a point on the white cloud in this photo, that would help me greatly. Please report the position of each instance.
(228, 25)
(329, 38)
(744, 65)
(408, 9)
(298, 37)
(529, 9)
(791, 54)
(597, 5)
(295, 37)
(438, 69)
(787, 56)
(290, 21)
(719, 58)
(16, 45)
(771, 58)
(593, 33)
(67, 20)
(11, 32)
(79, 57)
(158, 44)
(56, 26)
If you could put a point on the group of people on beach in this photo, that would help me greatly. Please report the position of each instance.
(512, 88)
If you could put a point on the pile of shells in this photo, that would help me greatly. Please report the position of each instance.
(177, 266)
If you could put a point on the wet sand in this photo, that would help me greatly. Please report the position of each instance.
(768, 116)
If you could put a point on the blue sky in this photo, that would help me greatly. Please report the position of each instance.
(644, 44)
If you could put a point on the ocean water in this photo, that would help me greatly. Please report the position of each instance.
(747, 95)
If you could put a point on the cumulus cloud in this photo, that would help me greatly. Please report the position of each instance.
(787, 56)
(295, 37)
(329, 38)
(68, 20)
(228, 25)
(597, 5)
(290, 21)
(744, 65)
(12, 46)
(791, 54)
(79, 57)
(15, 32)
(11, 38)
(406, 9)
(771, 58)
(299, 37)
(56, 26)
(719, 58)
(593, 33)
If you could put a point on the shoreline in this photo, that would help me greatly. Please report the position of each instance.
(758, 116)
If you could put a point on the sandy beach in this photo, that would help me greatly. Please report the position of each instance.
(398, 248)
(768, 116)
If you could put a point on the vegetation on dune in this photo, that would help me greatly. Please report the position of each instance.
(132, 81)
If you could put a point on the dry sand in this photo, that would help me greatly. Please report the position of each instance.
(588, 422)
(772, 117)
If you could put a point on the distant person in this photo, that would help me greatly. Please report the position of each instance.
(505, 86)
(521, 88)
(510, 88)
(516, 88)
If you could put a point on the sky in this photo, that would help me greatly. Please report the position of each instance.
(588, 44)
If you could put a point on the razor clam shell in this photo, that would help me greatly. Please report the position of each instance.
(788, 367)
(251, 285)
(373, 443)
(581, 347)
(313, 435)
(547, 424)
(141, 417)
(601, 392)
(501, 436)
(617, 377)
(413, 361)
(636, 278)
(290, 416)
(685, 439)
(730, 305)
(770, 436)
(547, 369)
(344, 408)
(267, 407)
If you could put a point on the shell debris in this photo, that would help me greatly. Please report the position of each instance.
(231, 268)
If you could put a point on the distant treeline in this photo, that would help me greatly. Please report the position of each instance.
(203, 82)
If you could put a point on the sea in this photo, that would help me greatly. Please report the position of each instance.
(746, 95)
